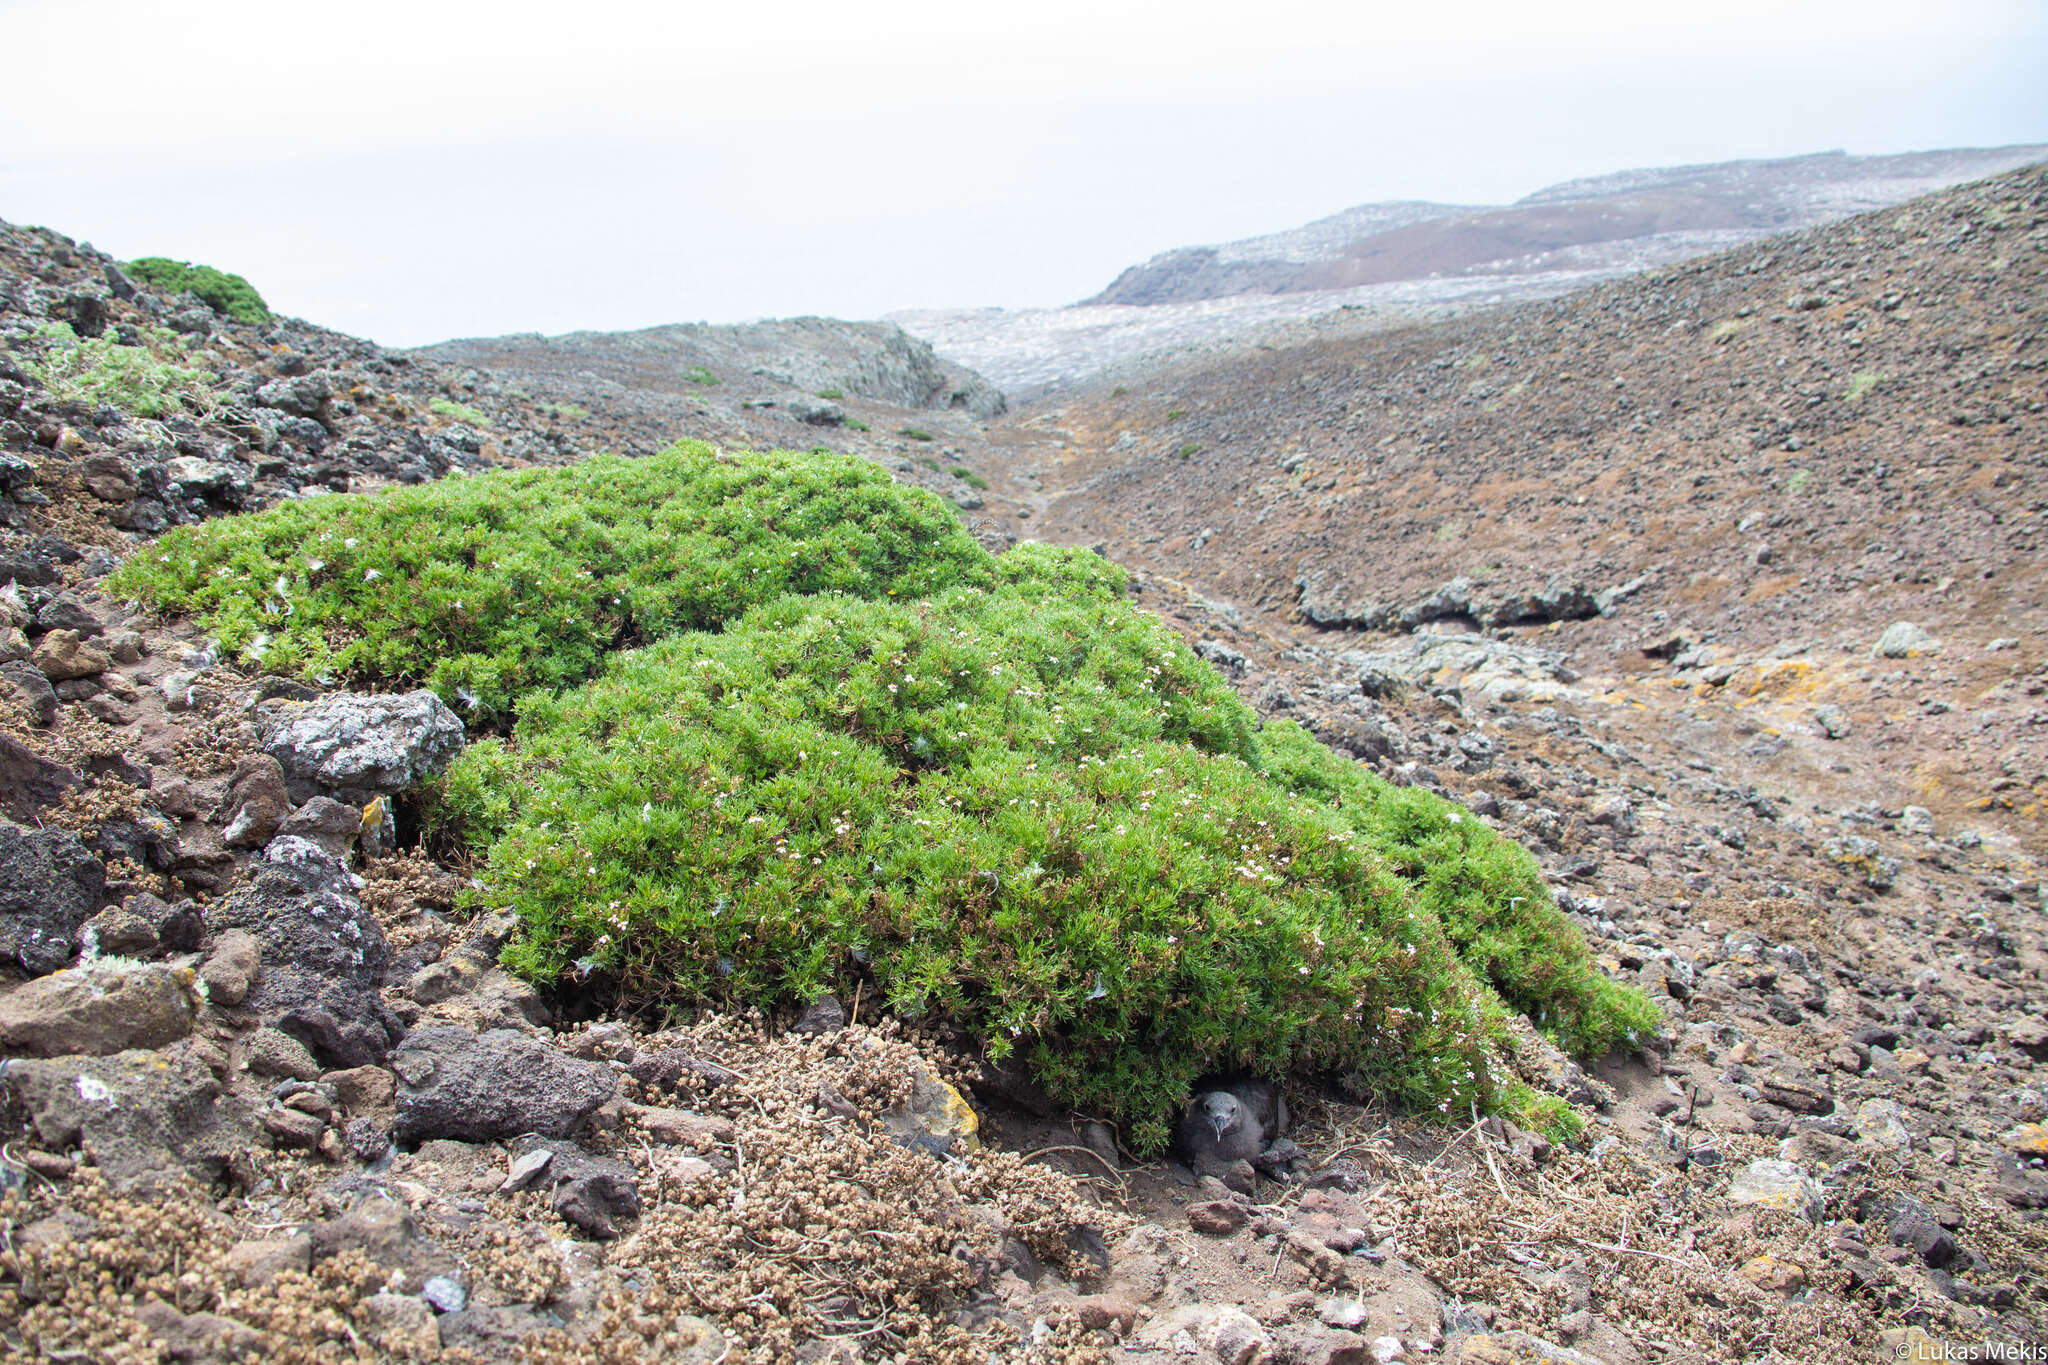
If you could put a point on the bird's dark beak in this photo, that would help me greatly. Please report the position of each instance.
(1216, 1122)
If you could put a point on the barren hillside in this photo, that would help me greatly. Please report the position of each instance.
(1779, 451)
(1380, 265)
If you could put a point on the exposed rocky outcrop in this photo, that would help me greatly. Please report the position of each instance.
(876, 360)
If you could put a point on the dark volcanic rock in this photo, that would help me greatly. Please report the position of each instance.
(29, 782)
(31, 690)
(323, 954)
(303, 396)
(476, 1087)
(135, 1113)
(50, 884)
(596, 1194)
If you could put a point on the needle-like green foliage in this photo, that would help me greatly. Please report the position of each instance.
(484, 587)
(1030, 809)
(821, 736)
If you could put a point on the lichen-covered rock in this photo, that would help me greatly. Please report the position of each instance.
(1904, 640)
(360, 746)
(936, 1112)
(136, 1112)
(323, 954)
(301, 395)
(1781, 1185)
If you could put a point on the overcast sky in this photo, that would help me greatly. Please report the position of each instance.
(420, 170)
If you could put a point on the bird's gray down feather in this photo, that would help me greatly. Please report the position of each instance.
(1232, 1121)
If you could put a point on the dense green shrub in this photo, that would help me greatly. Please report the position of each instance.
(224, 293)
(867, 749)
(483, 587)
(1480, 887)
(133, 378)
(968, 476)
(1031, 809)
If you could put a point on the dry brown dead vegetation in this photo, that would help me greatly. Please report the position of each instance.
(804, 1226)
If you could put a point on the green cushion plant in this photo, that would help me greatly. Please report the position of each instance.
(222, 292)
(858, 749)
(484, 587)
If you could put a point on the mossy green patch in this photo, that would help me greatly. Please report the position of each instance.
(457, 412)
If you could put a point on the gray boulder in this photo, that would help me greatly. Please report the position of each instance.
(817, 412)
(50, 884)
(214, 480)
(480, 1087)
(323, 954)
(1904, 640)
(360, 746)
(135, 1113)
(301, 395)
